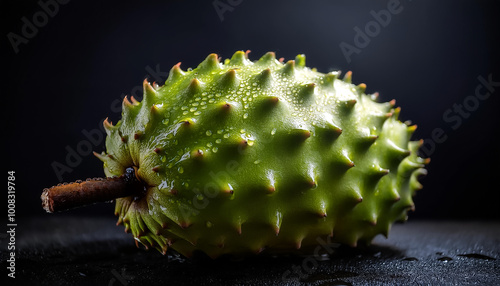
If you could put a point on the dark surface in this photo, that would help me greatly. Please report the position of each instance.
(60, 250)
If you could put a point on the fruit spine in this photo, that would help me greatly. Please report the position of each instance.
(240, 156)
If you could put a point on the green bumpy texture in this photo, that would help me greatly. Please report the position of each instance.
(242, 156)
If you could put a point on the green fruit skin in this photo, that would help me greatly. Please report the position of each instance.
(243, 156)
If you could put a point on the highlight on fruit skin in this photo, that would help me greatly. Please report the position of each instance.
(240, 156)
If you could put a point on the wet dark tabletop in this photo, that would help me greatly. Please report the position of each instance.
(61, 250)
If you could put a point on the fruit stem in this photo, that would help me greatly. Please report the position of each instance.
(66, 196)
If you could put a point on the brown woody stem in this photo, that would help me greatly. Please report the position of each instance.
(66, 196)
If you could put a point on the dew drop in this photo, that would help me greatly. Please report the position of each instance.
(197, 112)
(477, 255)
(226, 135)
(180, 170)
(165, 121)
(445, 259)
(155, 197)
(410, 259)
(215, 149)
(273, 131)
(209, 133)
(218, 141)
(245, 116)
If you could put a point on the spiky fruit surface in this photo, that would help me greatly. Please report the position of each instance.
(240, 156)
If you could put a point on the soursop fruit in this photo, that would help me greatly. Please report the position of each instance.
(241, 156)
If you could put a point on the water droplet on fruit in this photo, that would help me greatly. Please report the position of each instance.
(215, 149)
(245, 116)
(209, 133)
(162, 186)
(180, 170)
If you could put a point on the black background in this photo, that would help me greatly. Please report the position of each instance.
(69, 75)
